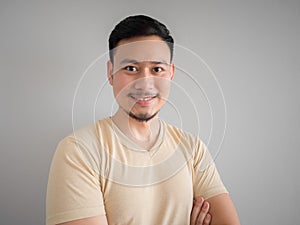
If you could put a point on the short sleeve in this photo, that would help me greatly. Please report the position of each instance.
(73, 186)
(206, 179)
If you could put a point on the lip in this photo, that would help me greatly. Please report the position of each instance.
(143, 100)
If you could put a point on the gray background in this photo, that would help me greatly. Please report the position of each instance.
(252, 46)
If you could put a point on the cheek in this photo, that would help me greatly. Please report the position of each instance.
(164, 86)
(120, 84)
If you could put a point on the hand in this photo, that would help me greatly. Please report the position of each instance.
(200, 215)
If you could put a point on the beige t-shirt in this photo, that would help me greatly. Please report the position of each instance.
(97, 170)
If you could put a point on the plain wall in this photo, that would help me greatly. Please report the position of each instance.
(252, 47)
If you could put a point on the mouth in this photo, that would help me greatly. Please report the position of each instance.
(143, 100)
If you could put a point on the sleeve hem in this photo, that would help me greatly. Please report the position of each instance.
(215, 191)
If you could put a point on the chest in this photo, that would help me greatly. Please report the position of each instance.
(166, 202)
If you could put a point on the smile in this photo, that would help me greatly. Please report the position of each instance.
(143, 99)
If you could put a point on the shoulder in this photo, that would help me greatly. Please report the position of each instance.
(88, 134)
(191, 143)
(85, 133)
(182, 135)
(81, 143)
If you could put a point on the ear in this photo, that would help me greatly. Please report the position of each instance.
(172, 71)
(109, 68)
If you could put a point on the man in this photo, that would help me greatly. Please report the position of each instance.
(133, 168)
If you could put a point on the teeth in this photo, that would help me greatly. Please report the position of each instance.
(144, 98)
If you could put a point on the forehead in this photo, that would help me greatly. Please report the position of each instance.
(140, 49)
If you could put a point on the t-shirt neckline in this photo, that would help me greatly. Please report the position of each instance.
(130, 144)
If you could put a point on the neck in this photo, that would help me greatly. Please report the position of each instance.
(144, 133)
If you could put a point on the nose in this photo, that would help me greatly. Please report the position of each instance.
(145, 81)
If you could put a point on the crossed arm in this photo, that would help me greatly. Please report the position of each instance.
(218, 210)
(199, 214)
(221, 211)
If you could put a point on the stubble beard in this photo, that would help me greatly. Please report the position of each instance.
(141, 117)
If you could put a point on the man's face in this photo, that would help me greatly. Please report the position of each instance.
(141, 75)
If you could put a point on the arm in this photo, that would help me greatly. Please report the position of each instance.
(74, 189)
(207, 183)
(222, 210)
(96, 220)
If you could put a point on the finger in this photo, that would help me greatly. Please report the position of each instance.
(203, 213)
(207, 219)
(196, 209)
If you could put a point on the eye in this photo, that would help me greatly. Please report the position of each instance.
(157, 69)
(131, 68)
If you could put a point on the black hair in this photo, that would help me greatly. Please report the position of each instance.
(136, 26)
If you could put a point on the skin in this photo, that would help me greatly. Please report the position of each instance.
(200, 213)
(222, 210)
(140, 76)
(141, 69)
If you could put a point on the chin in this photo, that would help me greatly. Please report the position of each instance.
(142, 117)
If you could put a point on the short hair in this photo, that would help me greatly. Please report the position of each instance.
(137, 26)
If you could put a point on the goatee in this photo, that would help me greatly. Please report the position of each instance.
(141, 118)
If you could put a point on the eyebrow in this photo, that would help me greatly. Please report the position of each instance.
(133, 61)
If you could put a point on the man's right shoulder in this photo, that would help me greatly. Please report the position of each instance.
(83, 143)
(88, 133)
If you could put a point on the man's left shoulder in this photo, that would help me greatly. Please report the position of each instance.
(180, 133)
